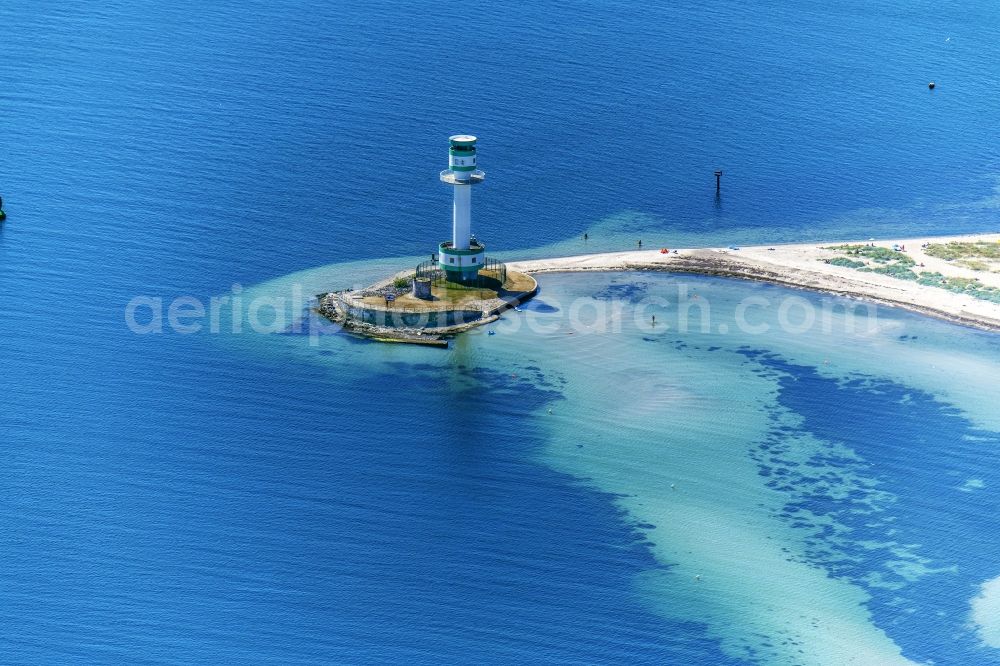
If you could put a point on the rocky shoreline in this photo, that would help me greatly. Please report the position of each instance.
(344, 307)
(328, 307)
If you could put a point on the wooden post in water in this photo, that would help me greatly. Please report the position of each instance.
(718, 181)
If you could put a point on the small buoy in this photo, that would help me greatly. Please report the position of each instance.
(931, 85)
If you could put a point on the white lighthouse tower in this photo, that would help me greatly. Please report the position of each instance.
(462, 256)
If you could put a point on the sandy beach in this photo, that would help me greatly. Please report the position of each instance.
(803, 266)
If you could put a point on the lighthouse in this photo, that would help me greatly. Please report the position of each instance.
(462, 256)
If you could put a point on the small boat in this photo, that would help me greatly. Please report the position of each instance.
(493, 332)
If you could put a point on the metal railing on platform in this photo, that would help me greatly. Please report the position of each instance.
(433, 271)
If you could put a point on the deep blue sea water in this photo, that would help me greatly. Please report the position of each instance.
(255, 499)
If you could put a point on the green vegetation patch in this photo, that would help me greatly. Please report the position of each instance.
(957, 250)
(929, 279)
(959, 285)
(455, 291)
(887, 262)
(845, 262)
(879, 255)
(974, 264)
(883, 261)
(893, 270)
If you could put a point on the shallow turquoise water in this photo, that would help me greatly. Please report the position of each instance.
(254, 498)
(809, 493)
